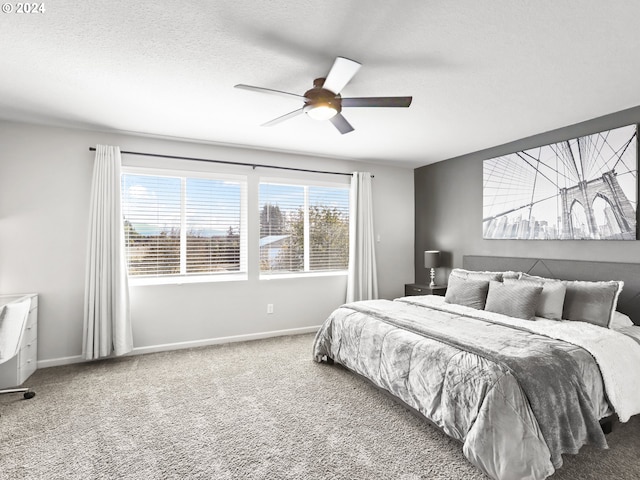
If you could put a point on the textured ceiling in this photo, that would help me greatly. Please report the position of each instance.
(481, 73)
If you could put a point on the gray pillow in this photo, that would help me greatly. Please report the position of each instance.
(467, 292)
(552, 296)
(517, 299)
(592, 302)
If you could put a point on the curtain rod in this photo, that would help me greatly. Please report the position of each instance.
(253, 165)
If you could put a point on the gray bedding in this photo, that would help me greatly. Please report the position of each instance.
(517, 400)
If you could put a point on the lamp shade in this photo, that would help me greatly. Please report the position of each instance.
(431, 259)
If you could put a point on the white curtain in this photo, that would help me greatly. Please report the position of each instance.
(362, 283)
(107, 323)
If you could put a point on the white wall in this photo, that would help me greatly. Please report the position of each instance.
(45, 180)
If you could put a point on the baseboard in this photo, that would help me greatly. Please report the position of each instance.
(56, 362)
(219, 340)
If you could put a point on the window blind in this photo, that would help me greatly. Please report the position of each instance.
(183, 226)
(303, 228)
(328, 228)
(213, 219)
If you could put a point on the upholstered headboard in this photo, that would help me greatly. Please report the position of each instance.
(629, 273)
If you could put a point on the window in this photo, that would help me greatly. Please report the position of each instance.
(184, 226)
(303, 228)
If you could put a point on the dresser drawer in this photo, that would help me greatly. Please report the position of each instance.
(30, 343)
(31, 330)
(416, 290)
(27, 360)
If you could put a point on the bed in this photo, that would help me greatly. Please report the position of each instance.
(516, 388)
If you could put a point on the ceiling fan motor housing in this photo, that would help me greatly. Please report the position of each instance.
(319, 96)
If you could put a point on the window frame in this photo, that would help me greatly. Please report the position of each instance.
(182, 278)
(306, 183)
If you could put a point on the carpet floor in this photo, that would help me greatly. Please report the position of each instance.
(251, 410)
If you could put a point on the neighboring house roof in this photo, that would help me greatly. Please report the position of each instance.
(271, 239)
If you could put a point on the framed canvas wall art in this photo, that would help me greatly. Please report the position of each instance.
(578, 189)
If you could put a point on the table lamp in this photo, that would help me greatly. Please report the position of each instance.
(432, 261)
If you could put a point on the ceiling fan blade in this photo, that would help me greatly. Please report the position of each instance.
(340, 74)
(377, 102)
(267, 90)
(341, 123)
(287, 116)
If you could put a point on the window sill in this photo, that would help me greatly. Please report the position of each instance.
(278, 276)
(180, 280)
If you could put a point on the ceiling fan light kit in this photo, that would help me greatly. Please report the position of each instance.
(323, 101)
(320, 112)
(321, 104)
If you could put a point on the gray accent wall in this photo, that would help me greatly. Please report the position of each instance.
(448, 208)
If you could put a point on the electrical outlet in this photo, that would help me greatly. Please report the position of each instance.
(269, 308)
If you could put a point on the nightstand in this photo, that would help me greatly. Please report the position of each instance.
(418, 289)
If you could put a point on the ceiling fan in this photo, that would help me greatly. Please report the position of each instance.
(323, 101)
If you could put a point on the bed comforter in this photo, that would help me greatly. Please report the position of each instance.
(516, 398)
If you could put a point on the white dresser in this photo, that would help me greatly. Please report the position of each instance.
(19, 354)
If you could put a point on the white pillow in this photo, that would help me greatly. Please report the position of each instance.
(473, 275)
(620, 320)
(476, 275)
(633, 332)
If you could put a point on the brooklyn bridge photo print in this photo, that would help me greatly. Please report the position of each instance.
(580, 189)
